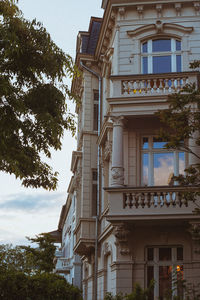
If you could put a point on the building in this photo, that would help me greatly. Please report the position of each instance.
(132, 224)
(68, 263)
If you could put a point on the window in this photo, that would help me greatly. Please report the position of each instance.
(161, 56)
(95, 110)
(160, 164)
(165, 267)
(94, 192)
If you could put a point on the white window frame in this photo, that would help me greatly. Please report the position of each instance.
(150, 54)
(151, 152)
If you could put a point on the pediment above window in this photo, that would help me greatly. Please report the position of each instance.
(160, 28)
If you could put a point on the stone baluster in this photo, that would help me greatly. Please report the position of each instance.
(172, 85)
(117, 169)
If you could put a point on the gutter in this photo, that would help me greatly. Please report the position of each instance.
(98, 179)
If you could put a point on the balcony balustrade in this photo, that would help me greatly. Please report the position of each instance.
(151, 84)
(63, 265)
(155, 202)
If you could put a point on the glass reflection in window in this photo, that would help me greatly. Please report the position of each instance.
(159, 164)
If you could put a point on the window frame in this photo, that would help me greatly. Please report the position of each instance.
(151, 151)
(174, 262)
(150, 54)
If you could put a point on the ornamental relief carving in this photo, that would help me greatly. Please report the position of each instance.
(107, 150)
(77, 178)
(122, 234)
(117, 176)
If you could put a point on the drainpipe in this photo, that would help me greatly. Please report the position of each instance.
(98, 180)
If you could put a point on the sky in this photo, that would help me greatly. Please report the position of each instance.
(27, 212)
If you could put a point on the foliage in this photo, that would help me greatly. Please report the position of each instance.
(19, 286)
(182, 120)
(27, 259)
(14, 259)
(137, 294)
(41, 256)
(33, 112)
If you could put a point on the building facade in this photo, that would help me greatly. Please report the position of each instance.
(67, 263)
(132, 225)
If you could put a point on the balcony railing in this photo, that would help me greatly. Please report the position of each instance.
(64, 265)
(151, 84)
(142, 202)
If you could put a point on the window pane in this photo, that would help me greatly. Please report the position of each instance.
(145, 65)
(145, 143)
(158, 143)
(179, 253)
(144, 47)
(161, 64)
(145, 173)
(161, 45)
(178, 45)
(95, 116)
(178, 63)
(181, 157)
(165, 254)
(165, 281)
(150, 277)
(150, 253)
(163, 168)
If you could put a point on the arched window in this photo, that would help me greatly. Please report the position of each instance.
(161, 56)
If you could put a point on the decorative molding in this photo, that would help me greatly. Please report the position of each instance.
(117, 121)
(122, 234)
(107, 150)
(159, 27)
(159, 10)
(117, 176)
(178, 9)
(77, 178)
(140, 9)
(107, 250)
(122, 11)
(197, 8)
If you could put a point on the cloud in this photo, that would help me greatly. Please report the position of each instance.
(31, 202)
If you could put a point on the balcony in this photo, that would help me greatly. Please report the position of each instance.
(150, 203)
(85, 236)
(151, 84)
(63, 265)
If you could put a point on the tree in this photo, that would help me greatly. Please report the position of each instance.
(43, 255)
(19, 286)
(27, 259)
(182, 120)
(33, 112)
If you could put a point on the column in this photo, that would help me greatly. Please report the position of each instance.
(117, 169)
